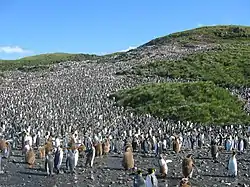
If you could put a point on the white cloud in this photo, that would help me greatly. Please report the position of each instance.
(128, 49)
(203, 25)
(13, 49)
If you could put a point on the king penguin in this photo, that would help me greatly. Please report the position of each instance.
(151, 180)
(71, 160)
(241, 146)
(49, 163)
(232, 165)
(214, 150)
(229, 144)
(58, 159)
(90, 156)
(139, 180)
(163, 165)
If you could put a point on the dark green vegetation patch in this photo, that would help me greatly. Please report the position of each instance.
(201, 102)
(41, 62)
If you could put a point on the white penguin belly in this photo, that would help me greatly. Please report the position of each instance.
(232, 167)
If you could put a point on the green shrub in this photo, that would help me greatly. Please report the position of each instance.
(201, 102)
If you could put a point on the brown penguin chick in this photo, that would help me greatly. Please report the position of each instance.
(41, 152)
(128, 146)
(3, 145)
(30, 158)
(48, 147)
(176, 144)
(98, 149)
(106, 147)
(128, 159)
(187, 166)
(185, 183)
(81, 148)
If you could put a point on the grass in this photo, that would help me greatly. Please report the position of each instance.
(41, 62)
(200, 102)
(227, 67)
(203, 35)
(205, 101)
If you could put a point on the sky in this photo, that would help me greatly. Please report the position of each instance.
(30, 27)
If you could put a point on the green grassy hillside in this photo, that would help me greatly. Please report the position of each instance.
(206, 101)
(201, 102)
(43, 61)
(219, 34)
(228, 66)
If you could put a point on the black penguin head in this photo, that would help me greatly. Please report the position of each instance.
(139, 172)
(234, 153)
(151, 170)
(189, 155)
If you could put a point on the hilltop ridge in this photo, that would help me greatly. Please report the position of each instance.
(198, 39)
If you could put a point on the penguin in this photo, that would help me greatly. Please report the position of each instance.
(106, 147)
(163, 165)
(241, 146)
(185, 183)
(229, 145)
(76, 155)
(41, 151)
(139, 180)
(7, 150)
(81, 149)
(58, 159)
(187, 166)
(98, 149)
(1, 162)
(176, 144)
(26, 149)
(232, 165)
(151, 180)
(214, 150)
(3, 145)
(90, 156)
(128, 159)
(30, 158)
(128, 146)
(48, 147)
(70, 163)
(49, 163)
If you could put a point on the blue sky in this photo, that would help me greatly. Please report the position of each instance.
(31, 27)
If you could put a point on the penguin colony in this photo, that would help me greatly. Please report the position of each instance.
(67, 114)
(53, 150)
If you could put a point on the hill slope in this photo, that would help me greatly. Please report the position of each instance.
(226, 65)
(43, 61)
(219, 34)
